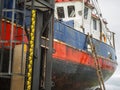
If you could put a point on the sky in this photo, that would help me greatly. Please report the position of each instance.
(110, 11)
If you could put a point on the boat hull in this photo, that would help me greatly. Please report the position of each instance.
(74, 69)
(72, 76)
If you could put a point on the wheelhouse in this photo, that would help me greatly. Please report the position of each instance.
(85, 17)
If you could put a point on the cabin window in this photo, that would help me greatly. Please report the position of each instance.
(94, 24)
(71, 11)
(85, 13)
(60, 12)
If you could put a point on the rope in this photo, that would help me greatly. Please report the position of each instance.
(31, 50)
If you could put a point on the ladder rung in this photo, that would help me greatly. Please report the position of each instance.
(44, 46)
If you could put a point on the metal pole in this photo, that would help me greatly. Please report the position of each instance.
(37, 53)
(11, 37)
(1, 10)
(1, 53)
(48, 82)
(1, 7)
(41, 75)
(23, 43)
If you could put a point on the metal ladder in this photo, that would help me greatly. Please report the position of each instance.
(97, 64)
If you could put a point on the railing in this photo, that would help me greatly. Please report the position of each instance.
(13, 44)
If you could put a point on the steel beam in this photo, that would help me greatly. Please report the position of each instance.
(48, 79)
(42, 61)
(51, 6)
(37, 53)
(41, 5)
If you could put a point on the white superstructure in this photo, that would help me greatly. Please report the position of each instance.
(87, 18)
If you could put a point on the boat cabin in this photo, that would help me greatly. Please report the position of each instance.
(85, 18)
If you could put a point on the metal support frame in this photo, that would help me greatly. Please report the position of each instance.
(37, 54)
(47, 4)
(42, 60)
(1, 7)
(42, 5)
(10, 44)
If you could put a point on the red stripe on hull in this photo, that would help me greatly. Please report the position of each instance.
(64, 52)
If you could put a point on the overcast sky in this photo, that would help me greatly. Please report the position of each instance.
(110, 10)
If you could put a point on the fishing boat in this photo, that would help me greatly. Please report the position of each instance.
(73, 65)
(83, 46)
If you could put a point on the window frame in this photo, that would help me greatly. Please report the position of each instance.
(94, 24)
(59, 13)
(86, 12)
(71, 9)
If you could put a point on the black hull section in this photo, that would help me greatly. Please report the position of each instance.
(72, 76)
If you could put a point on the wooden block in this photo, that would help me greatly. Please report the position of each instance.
(17, 81)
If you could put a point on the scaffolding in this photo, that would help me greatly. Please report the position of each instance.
(26, 28)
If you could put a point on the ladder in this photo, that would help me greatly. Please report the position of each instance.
(97, 64)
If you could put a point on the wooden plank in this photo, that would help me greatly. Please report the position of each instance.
(17, 81)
